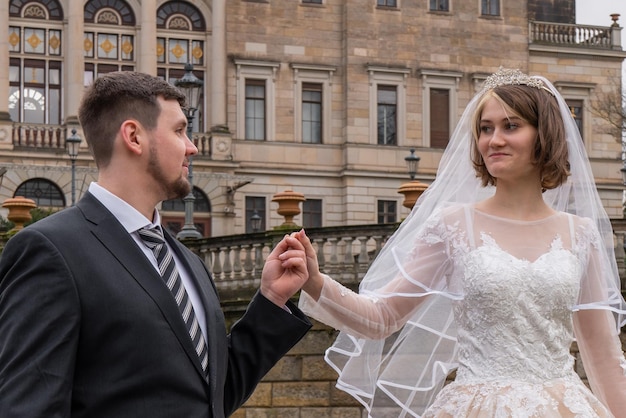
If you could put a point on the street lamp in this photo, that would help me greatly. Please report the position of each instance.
(414, 188)
(411, 162)
(73, 144)
(255, 221)
(191, 87)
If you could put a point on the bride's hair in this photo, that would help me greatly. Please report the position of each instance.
(539, 108)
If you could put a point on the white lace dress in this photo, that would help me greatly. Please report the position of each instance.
(516, 310)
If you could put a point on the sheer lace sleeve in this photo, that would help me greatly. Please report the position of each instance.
(602, 356)
(595, 324)
(378, 313)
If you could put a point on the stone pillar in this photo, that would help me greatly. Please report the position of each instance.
(221, 138)
(5, 118)
(218, 64)
(74, 63)
(146, 47)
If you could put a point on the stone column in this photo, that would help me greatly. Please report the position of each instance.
(221, 138)
(4, 63)
(74, 62)
(218, 64)
(146, 47)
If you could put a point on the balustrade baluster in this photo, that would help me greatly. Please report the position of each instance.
(237, 269)
(321, 261)
(379, 244)
(217, 264)
(348, 258)
(364, 258)
(248, 266)
(334, 255)
(258, 259)
(227, 266)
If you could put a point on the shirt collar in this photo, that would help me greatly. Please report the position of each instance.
(130, 218)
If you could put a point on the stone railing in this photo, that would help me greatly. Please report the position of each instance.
(344, 252)
(38, 136)
(236, 261)
(561, 34)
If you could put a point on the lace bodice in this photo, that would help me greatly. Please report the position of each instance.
(515, 319)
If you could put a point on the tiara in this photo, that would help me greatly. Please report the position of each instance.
(507, 77)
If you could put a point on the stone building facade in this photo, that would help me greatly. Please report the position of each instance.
(322, 97)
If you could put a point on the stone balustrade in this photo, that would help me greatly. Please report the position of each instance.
(236, 261)
(562, 34)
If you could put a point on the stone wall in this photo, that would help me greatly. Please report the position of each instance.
(302, 385)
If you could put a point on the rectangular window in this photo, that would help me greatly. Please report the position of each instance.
(576, 109)
(33, 98)
(387, 106)
(34, 41)
(14, 39)
(312, 113)
(255, 110)
(160, 50)
(107, 46)
(312, 213)
(54, 42)
(312, 1)
(178, 51)
(387, 211)
(439, 6)
(88, 44)
(54, 92)
(439, 117)
(128, 48)
(387, 3)
(490, 7)
(255, 207)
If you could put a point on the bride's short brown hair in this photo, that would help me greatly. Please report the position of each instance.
(539, 108)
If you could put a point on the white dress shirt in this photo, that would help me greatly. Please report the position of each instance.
(133, 221)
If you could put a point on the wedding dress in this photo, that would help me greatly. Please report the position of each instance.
(515, 310)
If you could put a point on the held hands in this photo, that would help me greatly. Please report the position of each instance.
(291, 265)
(285, 270)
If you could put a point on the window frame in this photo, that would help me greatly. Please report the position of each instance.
(442, 80)
(25, 190)
(388, 4)
(436, 3)
(312, 218)
(256, 70)
(313, 74)
(252, 203)
(383, 212)
(580, 92)
(389, 77)
(494, 5)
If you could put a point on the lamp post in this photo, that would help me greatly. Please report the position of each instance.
(413, 189)
(191, 87)
(255, 221)
(411, 162)
(73, 144)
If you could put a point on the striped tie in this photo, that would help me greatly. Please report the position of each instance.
(153, 238)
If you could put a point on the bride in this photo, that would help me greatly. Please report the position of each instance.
(504, 261)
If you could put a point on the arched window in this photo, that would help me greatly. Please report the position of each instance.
(36, 57)
(181, 34)
(109, 43)
(173, 213)
(44, 192)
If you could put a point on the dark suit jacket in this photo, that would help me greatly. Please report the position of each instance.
(88, 328)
